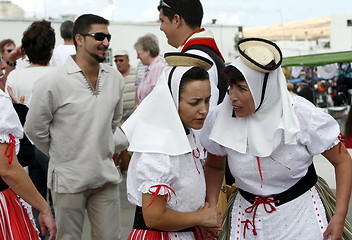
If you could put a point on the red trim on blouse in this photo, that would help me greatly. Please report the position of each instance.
(342, 139)
(10, 148)
(196, 155)
(217, 158)
(260, 171)
(167, 197)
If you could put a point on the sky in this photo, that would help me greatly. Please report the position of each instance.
(246, 13)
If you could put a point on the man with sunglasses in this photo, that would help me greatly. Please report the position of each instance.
(73, 114)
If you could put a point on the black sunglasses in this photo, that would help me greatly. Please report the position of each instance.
(99, 36)
(163, 4)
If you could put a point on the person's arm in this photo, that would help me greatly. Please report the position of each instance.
(18, 180)
(157, 216)
(40, 115)
(214, 171)
(13, 97)
(341, 160)
(119, 106)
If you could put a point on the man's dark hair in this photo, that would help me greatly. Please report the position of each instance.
(66, 30)
(190, 10)
(38, 42)
(83, 24)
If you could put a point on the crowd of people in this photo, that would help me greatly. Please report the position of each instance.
(180, 124)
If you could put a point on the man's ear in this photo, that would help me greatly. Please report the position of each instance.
(177, 19)
(79, 39)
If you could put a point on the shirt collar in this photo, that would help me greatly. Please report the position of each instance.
(72, 66)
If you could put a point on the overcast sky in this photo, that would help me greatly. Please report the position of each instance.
(248, 13)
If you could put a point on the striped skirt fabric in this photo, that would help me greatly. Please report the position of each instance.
(139, 234)
(15, 222)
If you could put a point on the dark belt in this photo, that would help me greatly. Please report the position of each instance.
(140, 224)
(302, 186)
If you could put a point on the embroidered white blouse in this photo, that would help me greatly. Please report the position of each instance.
(181, 177)
(288, 163)
(9, 121)
(303, 217)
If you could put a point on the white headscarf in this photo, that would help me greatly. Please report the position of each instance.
(155, 125)
(260, 133)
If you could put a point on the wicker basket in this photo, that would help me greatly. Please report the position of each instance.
(338, 112)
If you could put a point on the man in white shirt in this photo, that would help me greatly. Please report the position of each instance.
(62, 52)
(73, 114)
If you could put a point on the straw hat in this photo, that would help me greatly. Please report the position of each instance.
(187, 60)
(260, 54)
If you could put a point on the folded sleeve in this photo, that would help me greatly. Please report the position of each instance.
(9, 121)
(154, 171)
(319, 130)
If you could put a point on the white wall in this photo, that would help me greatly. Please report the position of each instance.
(125, 34)
(341, 34)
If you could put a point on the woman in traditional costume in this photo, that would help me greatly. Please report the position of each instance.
(17, 192)
(270, 138)
(165, 179)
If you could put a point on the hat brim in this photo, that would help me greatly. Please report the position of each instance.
(187, 60)
(260, 54)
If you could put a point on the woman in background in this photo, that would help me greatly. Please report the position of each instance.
(147, 48)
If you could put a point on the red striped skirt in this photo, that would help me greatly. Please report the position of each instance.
(141, 234)
(15, 223)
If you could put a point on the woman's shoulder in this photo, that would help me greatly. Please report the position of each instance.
(318, 128)
(305, 110)
(9, 121)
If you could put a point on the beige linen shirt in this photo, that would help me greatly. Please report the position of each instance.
(73, 123)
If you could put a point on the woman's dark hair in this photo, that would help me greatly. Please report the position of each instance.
(193, 74)
(38, 42)
(348, 125)
(232, 75)
(84, 22)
